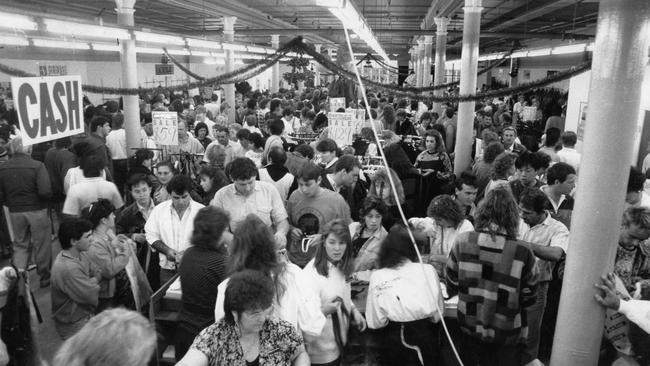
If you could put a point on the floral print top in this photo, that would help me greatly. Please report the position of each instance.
(279, 344)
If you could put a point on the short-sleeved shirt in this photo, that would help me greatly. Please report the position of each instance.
(550, 233)
(279, 344)
(264, 201)
(88, 191)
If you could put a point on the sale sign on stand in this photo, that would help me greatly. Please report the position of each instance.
(49, 108)
(342, 127)
(165, 128)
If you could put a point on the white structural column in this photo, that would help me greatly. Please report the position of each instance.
(468, 68)
(330, 54)
(420, 70)
(617, 72)
(441, 56)
(316, 69)
(229, 89)
(125, 10)
(275, 73)
(426, 67)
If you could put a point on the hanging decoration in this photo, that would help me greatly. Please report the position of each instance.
(299, 72)
(298, 46)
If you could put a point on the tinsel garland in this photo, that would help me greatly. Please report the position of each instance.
(297, 45)
(182, 67)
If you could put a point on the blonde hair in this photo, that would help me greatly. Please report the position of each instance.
(381, 175)
(115, 337)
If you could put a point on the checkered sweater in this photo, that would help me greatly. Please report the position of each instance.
(496, 279)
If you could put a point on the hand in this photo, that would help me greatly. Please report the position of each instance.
(359, 320)
(611, 299)
(296, 234)
(331, 307)
(280, 240)
(178, 257)
(171, 255)
(139, 238)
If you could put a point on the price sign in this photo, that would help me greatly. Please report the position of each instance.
(165, 128)
(342, 126)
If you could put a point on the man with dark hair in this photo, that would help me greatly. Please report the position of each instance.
(465, 192)
(327, 150)
(636, 197)
(301, 155)
(116, 144)
(289, 121)
(165, 171)
(169, 226)
(275, 109)
(561, 179)
(527, 165)
(277, 174)
(75, 279)
(345, 180)
(25, 189)
(247, 196)
(100, 127)
(549, 240)
(91, 189)
(310, 207)
(276, 129)
(222, 137)
(569, 154)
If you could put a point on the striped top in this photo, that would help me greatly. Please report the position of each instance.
(495, 278)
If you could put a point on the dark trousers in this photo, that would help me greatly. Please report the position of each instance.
(120, 168)
(182, 342)
(475, 352)
(409, 343)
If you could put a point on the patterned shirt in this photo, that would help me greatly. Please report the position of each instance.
(280, 343)
(633, 265)
(496, 279)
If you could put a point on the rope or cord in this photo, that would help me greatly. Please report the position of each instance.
(394, 189)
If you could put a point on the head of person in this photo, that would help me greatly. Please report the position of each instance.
(232, 131)
(309, 178)
(251, 120)
(305, 151)
(251, 104)
(400, 115)
(144, 157)
(253, 247)
(165, 172)
(372, 212)
(200, 114)
(248, 300)
(243, 173)
(635, 184)
(445, 211)
(216, 155)
(309, 117)
(389, 114)
(92, 166)
(465, 189)
(569, 139)
(526, 165)
(509, 136)
(498, 213)
(100, 213)
(276, 106)
(493, 150)
(380, 187)
(532, 206)
(287, 113)
(396, 249)
(561, 177)
(635, 227)
(327, 149)
(335, 247)
(200, 130)
(222, 134)
(347, 170)
(100, 125)
(277, 156)
(182, 130)
(208, 175)
(552, 137)
(504, 166)
(75, 232)
(114, 337)
(243, 137)
(210, 225)
(276, 126)
(117, 121)
(179, 188)
(139, 185)
(488, 136)
(433, 141)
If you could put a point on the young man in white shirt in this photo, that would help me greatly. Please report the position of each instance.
(116, 143)
(569, 154)
(170, 225)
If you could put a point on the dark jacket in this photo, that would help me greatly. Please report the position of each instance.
(24, 184)
(399, 161)
(353, 196)
(98, 147)
(57, 162)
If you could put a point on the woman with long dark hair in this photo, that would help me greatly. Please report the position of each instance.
(327, 274)
(253, 247)
(404, 303)
(367, 236)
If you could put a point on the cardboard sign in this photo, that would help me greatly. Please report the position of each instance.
(48, 107)
(165, 128)
(529, 113)
(342, 126)
(164, 69)
(336, 103)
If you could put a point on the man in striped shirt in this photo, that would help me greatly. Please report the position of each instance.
(549, 239)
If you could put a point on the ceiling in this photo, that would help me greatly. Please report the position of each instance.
(395, 23)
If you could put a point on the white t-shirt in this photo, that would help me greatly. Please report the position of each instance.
(116, 143)
(570, 156)
(76, 175)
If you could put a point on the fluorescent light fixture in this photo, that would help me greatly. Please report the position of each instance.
(233, 47)
(572, 48)
(201, 53)
(60, 44)
(540, 52)
(17, 21)
(202, 43)
(159, 38)
(252, 57)
(105, 47)
(14, 41)
(331, 3)
(519, 54)
(85, 30)
(214, 61)
(183, 52)
(150, 50)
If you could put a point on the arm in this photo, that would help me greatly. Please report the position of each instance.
(529, 281)
(81, 288)
(375, 318)
(553, 254)
(117, 198)
(108, 264)
(302, 358)
(193, 357)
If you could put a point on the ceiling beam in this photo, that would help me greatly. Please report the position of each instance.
(531, 14)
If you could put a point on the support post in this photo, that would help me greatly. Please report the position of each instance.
(468, 69)
(419, 72)
(275, 73)
(129, 63)
(316, 69)
(619, 62)
(229, 89)
(426, 68)
(441, 57)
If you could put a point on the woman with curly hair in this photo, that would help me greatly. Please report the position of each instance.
(380, 187)
(388, 118)
(435, 166)
(504, 168)
(253, 247)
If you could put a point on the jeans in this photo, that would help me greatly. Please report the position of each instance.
(535, 315)
(32, 231)
(474, 352)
